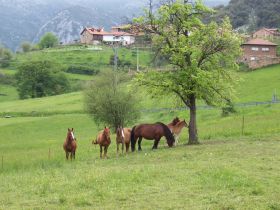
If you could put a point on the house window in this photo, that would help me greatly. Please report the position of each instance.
(255, 49)
(265, 49)
(253, 58)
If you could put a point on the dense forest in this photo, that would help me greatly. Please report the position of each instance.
(253, 14)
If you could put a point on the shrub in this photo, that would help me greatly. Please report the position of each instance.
(39, 79)
(5, 57)
(75, 69)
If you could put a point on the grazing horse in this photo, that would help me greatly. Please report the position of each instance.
(177, 129)
(70, 144)
(123, 137)
(104, 140)
(150, 132)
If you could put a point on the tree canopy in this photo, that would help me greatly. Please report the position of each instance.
(40, 78)
(48, 40)
(202, 56)
(260, 13)
(109, 102)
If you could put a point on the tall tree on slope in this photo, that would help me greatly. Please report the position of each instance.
(203, 56)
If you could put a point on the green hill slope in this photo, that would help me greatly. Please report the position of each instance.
(230, 170)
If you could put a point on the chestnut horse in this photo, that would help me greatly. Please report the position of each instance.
(177, 129)
(174, 122)
(150, 132)
(123, 137)
(70, 144)
(104, 140)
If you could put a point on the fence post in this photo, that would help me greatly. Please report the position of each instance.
(243, 122)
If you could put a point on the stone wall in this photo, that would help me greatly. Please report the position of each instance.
(262, 62)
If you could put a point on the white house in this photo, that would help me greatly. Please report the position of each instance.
(95, 36)
(120, 37)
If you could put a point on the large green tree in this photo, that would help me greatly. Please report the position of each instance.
(48, 40)
(203, 56)
(108, 100)
(40, 78)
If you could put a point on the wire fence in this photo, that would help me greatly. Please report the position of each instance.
(205, 107)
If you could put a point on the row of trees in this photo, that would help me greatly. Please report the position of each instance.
(253, 13)
(49, 40)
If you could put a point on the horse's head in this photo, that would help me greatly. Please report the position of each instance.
(106, 132)
(70, 134)
(184, 123)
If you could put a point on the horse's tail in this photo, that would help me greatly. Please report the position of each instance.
(168, 135)
(132, 139)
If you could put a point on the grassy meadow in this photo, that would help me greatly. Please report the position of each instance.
(228, 170)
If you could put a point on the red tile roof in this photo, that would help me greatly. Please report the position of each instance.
(259, 42)
(100, 31)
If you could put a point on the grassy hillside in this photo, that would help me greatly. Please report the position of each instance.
(229, 170)
(94, 57)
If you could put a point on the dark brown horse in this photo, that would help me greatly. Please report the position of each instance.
(150, 132)
(70, 144)
(104, 140)
(123, 137)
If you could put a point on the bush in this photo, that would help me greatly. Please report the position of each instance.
(48, 40)
(7, 79)
(228, 109)
(82, 70)
(39, 79)
(26, 47)
(5, 57)
(109, 103)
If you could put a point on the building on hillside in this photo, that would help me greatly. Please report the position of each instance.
(258, 53)
(94, 36)
(267, 33)
(123, 38)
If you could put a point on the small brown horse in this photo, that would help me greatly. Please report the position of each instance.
(150, 132)
(177, 129)
(104, 140)
(174, 122)
(70, 144)
(123, 137)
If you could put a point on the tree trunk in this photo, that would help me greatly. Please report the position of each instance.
(193, 139)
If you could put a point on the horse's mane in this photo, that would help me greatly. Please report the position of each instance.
(174, 121)
(169, 136)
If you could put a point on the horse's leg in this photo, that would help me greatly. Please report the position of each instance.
(126, 147)
(117, 148)
(105, 151)
(122, 146)
(100, 151)
(176, 139)
(74, 153)
(139, 143)
(67, 155)
(155, 143)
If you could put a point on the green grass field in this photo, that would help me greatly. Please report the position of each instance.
(228, 170)
(85, 56)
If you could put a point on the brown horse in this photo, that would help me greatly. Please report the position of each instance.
(104, 140)
(174, 122)
(123, 137)
(150, 132)
(70, 144)
(177, 129)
